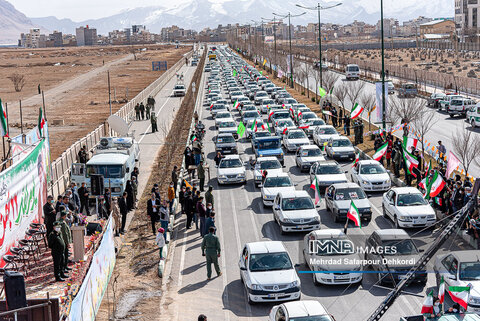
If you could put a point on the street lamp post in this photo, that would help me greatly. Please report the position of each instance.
(289, 15)
(319, 8)
(274, 44)
(383, 67)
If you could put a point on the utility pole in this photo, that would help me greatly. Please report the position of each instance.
(109, 93)
(274, 45)
(319, 8)
(383, 68)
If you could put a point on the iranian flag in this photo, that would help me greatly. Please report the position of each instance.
(254, 126)
(317, 191)
(194, 138)
(410, 161)
(270, 115)
(291, 111)
(236, 105)
(41, 122)
(380, 152)
(356, 111)
(423, 184)
(3, 121)
(211, 106)
(441, 291)
(354, 215)
(327, 112)
(410, 142)
(459, 294)
(304, 126)
(299, 114)
(285, 130)
(437, 185)
(357, 159)
(427, 306)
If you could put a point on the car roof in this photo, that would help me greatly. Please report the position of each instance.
(390, 234)
(296, 309)
(340, 138)
(467, 256)
(345, 185)
(325, 126)
(406, 190)
(266, 158)
(282, 174)
(329, 232)
(294, 194)
(266, 247)
(108, 159)
(328, 162)
(231, 157)
(224, 134)
(368, 161)
(311, 146)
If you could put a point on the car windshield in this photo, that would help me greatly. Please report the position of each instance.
(225, 139)
(218, 107)
(399, 247)
(224, 115)
(316, 122)
(267, 101)
(290, 101)
(456, 102)
(249, 107)
(227, 124)
(251, 114)
(270, 262)
(270, 164)
(285, 123)
(311, 152)
(108, 171)
(269, 144)
(328, 250)
(371, 169)
(341, 143)
(262, 134)
(283, 181)
(327, 131)
(469, 271)
(411, 200)
(296, 134)
(309, 116)
(353, 68)
(345, 194)
(179, 87)
(230, 163)
(329, 169)
(281, 115)
(297, 203)
(259, 94)
(236, 93)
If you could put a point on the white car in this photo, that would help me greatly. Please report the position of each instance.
(217, 108)
(231, 170)
(308, 310)
(322, 134)
(327, 173)
(268, 273)
(407, 207)
(371, 176)
(340, 148)
(228, 126)
(461, 268)
(295, 138)
(265, 103)
(273, 185)
(307, 155)
(312, 125)
(473, 115)
(305, 117)
(222, 116)
(282, 124)
(234, 95)
(269, 164)
(316, 257)
(250, 125)
(295, 212)
(338, 199)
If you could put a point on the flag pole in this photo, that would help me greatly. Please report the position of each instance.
(345, 228)
(21, 122)
(8, 131)
(44, 111)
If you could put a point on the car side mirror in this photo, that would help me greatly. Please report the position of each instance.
(451, 277)
(346, 172)
(277, 207)
(241, 264)
(421, 250)
(260, 185)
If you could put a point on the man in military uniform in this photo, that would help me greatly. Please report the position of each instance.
(201, 175)
(142, 110)
(137, 111)
(209, 196)
(153, 120)
(67, 239)
(57, 246)
(151, 102)
(211, 250)
(147, 110)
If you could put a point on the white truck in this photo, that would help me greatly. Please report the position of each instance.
(179, 90)
(114, 158)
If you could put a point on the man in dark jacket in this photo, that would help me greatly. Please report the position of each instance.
(83, 194)
(153, 204)
(201, 210)
(49, 214)
(189, 208)
(175, 178)
(57, 246)
(122, 203)
(142, 110)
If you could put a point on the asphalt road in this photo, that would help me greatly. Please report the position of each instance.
(444, 129)
(241, 218)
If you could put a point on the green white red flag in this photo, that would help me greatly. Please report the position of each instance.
(327, 112)
(437, 185)
(357, 110)
(270, 115)
(3, 121)
(441, 291)
(357, 159)
(380, 152)
(316, 187)
(236, 105)
(427, 306)
(41, 122)
(354, 215)
(410, 142)
(459, 294)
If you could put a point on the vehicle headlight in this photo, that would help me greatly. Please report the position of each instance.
(258, 178)
(474, 300)
(255, 287)
(222, 176)
(431, 216)
(365, 182)
(342, 211)
(260, 155)
(287, 220)
(281, 154)
(294, 284)
(406, 218)
(316, 218)
(241, 175)
(387, 181)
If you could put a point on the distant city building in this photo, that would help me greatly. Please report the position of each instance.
(57, 38)
(437, 29)
(86, 36)
(467, 21)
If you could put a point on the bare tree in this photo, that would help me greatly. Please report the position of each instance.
(316, 77)
(423, 123)
(341, 93)
(368, 102)
(466, 145)
(297, 71)
(18, 81)
(329, 81)
(405, 110)
(354, 89)
(308, 72)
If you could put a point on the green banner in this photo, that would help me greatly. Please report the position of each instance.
(241, 129)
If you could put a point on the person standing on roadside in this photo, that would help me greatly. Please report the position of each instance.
(116, 215)
(346, 124)
(137, 111)
(160, 241)
(201, 210)
(201, 175)
(57, 246)
(122, 203)
(142, 110)
(164, 218)
(175, 178)
(171, 197)
(67, 239)
(181, 198)
(147, 111)
(49, 214)
(211, 250)
(189, 208)
(83, 194)
(209, 196)
(153, 205)
(442, 151)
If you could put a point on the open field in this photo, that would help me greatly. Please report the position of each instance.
(77, 96)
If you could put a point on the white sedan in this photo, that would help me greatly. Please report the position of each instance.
(307, 155)
(295, 138)
(275, 184)
(231, 170)
(300, 310)
(371, 176)
(322, 134)
(269, 164)
(407, 208)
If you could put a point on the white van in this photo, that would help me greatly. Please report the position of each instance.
(473, 115)
(352, 72)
